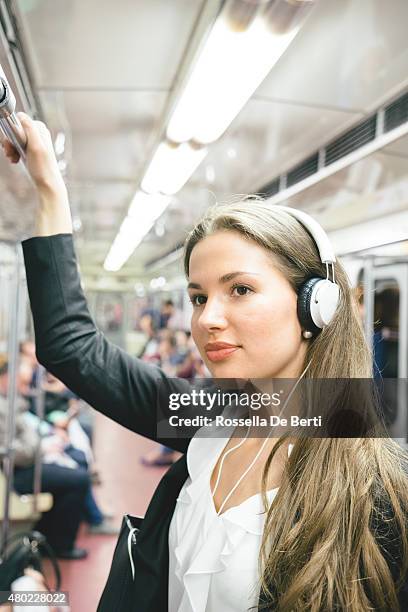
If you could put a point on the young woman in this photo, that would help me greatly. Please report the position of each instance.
(318, 525)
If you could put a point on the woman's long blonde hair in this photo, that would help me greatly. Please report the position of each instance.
(339, 498)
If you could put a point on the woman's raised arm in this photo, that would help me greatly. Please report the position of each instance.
(68, 343)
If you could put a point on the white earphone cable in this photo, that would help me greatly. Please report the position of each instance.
(227, 453)
(259, 451)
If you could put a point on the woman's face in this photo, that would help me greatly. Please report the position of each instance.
(244, 320)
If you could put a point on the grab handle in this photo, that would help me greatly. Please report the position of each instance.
(9, 122)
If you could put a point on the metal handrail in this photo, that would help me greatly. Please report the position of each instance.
(8, 461)
(39, 402)
(9, 122)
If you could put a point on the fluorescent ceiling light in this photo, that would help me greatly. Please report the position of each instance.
(144, 207)
(229, 69)
(59, 144)
(171, 167)
(158, 283)
(143, 212)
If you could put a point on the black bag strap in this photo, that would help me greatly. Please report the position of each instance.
(36, 540)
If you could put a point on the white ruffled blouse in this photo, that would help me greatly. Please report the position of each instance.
(213, 559)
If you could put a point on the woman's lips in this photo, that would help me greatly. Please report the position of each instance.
(218, 354)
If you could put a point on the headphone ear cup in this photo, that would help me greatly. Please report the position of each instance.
(303, 305)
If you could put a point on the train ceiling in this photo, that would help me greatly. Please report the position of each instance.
(104, 72)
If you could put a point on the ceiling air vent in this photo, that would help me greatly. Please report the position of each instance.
(301, 171)
(368, 136)
(270, 189)
(351, 140)
(396, 113)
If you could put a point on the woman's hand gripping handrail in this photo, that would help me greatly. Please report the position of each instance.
(31, 141)
(9, 122)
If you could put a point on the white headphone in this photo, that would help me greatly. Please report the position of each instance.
(318, 297)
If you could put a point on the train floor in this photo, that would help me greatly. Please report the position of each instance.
(127, 487)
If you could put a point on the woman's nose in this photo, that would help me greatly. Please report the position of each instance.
(213, 316)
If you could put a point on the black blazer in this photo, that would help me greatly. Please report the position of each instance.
(124, 389)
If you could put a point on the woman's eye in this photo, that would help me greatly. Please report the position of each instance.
(237, 290)
(198, 300)
(241, 290)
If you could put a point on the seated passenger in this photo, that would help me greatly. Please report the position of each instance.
(69, 487)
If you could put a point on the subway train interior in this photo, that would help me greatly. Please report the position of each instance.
(157, 111)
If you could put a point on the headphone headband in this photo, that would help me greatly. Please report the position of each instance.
(320, 237)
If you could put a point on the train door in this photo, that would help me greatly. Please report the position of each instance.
(386, 324)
